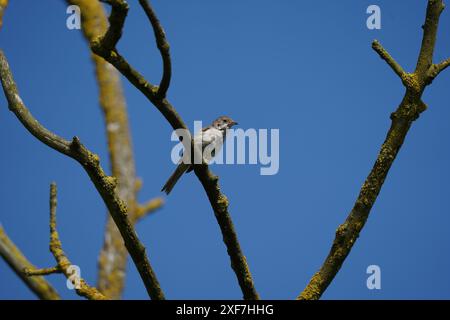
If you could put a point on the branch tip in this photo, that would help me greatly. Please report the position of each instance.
(97, 175)
(376, 45)
(149, 207)
(402, 119)
(163, 47)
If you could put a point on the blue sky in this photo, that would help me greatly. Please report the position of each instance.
(303, 68)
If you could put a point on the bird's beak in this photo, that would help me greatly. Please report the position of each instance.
(233, 123)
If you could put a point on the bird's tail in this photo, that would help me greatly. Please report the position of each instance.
(182, 168)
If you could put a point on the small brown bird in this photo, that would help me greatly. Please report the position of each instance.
(212, 137)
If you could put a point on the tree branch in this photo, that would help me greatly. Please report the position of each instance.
(3, 5)
(218, 201)
(116, 22)
(435, 69)
(219, 204)
(105, 185)
(18, 262)
(148, 208)
(41, 272)
(107, 50)
(388, 58)
(402, 119)
(425, 60)
(63, 263)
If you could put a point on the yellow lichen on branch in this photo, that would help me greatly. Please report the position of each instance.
(113, 256)
(18, 263)
(63, 264)
(105, 185)
(105, 46)
(3, 4)
(408, 111)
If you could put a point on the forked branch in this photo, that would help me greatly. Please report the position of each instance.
(435, 69)
(18, 263)
(62, 261)
(107, 49)
(163, 46)
(41, 272)
(105, 185)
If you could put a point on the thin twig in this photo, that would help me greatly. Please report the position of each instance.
(388, 58)
(116, 22)
(163, 46)
(402, 119)
(12, 255)
(18, 262)
(430, 27)
(41, 272)
(105, 185)
(218, 201)
(63, 263)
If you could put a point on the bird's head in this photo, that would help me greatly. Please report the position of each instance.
(223, 123)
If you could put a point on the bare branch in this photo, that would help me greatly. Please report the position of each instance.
(163, 46)
(388, 58)
(104, 49)
(435, 69)
(149, 207)
(402, 119)
(219, 204)
(105, 185)
(425, 60)
(64, 264)
(12, 254)
(113, 256)
(3, 5)
(136, 79)
(116, 22)
(41, 272)
(209, 181)
(18, 262)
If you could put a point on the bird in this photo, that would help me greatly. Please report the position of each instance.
(210, 137)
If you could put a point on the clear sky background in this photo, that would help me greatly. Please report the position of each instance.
(302, 67)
